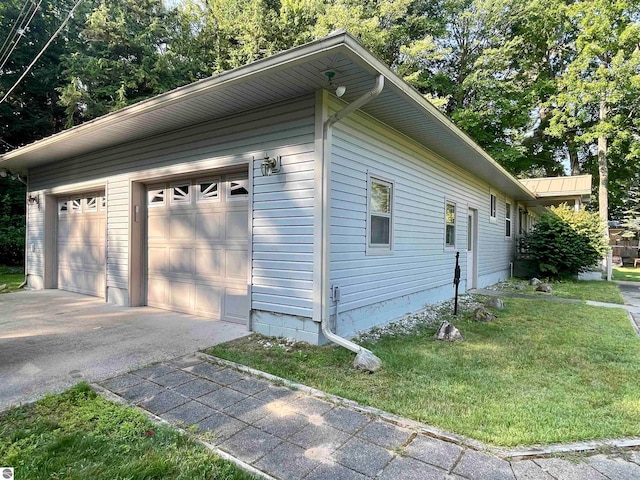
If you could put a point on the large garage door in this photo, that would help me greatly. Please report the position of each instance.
(197, 237)
(81, 243)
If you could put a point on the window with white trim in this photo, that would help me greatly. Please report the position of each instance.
(379, 235)
(493, 207)
(63, 207)
(208, 190)
(238, 187)
(450, 224)
(180, 193)
(155, 196)
(507, 219)
(75, 205)
(91, 204)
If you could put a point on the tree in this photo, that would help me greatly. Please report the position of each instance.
(599, 91)
(565, 242)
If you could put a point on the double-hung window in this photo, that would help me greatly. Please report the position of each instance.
(450, 224)
(380, 224)
(493, 207)
(507, 219)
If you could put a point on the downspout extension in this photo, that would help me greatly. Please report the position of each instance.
(365, 359)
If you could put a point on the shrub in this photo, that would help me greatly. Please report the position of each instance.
(565, 242)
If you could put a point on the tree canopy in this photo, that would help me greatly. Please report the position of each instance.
(544, 86)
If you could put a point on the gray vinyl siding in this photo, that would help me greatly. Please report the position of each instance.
(35, 238)
(283, 203)
(422, 183)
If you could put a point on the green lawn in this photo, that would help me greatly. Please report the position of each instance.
(597, 290)
(542, 373)
(79, 435)
(12, 277)
(629, 274)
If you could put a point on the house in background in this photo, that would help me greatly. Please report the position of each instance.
(258, 196)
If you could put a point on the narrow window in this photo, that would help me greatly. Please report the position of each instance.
(238, 187)
(450, 225)
(155, 197)
(208, 190)
(63, 207)
(507, 219)
(75, 205)
(380, 211)
(181, 193)
(91, 204)
(493, 206)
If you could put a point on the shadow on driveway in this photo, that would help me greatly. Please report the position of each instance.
(50, 340)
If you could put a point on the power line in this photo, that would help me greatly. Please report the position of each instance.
(20, 33)
(24, 74)
(11, 35)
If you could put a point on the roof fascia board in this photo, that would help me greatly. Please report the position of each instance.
(258, 68)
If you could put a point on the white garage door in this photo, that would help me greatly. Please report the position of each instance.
(197, 238)
(81, 243)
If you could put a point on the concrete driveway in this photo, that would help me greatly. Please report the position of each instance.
(50, 340)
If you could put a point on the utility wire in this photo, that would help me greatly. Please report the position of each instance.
(20, 34)
(11, 36)
(24, 74)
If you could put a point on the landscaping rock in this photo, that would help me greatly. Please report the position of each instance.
(367, 361)
(494, 302)
(535, 281)
(448, 333)
(544, 287)
(520, 286)
(481, 314)
(2, 287)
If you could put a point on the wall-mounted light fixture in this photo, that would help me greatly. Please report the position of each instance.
(330, 74)
(15, 176)
(270, 165)
(34, 200)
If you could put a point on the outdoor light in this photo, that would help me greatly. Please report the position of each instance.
(34, 200)
(3, 172)
(330, 74)
(270, 166)
(340, 91)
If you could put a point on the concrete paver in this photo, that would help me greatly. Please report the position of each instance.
(475, 465)
(436, 452)
(529, 470)
(615, 468)
(566, 470)
(293, 435)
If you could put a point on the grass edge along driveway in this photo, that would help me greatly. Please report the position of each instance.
(542, 373)
(80, 435)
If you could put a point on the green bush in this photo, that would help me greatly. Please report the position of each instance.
(565, 242)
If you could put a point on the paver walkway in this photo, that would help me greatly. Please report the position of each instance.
(290, 434)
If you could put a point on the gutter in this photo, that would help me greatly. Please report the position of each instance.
(365, 359)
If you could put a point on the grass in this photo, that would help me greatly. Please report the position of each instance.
(542, 373)
(12, 277)
(79, 435)
(596, 290)
(629, 274)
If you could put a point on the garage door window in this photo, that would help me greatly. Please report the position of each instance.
(63, 207)
(208, 191)
(238, 187)
(181, 194)
(156, 196)
(91, 204)
(76, 205)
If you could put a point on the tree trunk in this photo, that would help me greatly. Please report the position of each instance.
(603, 171)
(574, 162)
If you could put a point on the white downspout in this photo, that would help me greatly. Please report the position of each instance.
(365, 359)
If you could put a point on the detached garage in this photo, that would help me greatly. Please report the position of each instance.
(259, 196)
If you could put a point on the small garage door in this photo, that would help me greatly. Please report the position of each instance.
(81, 243)
(197, 240)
